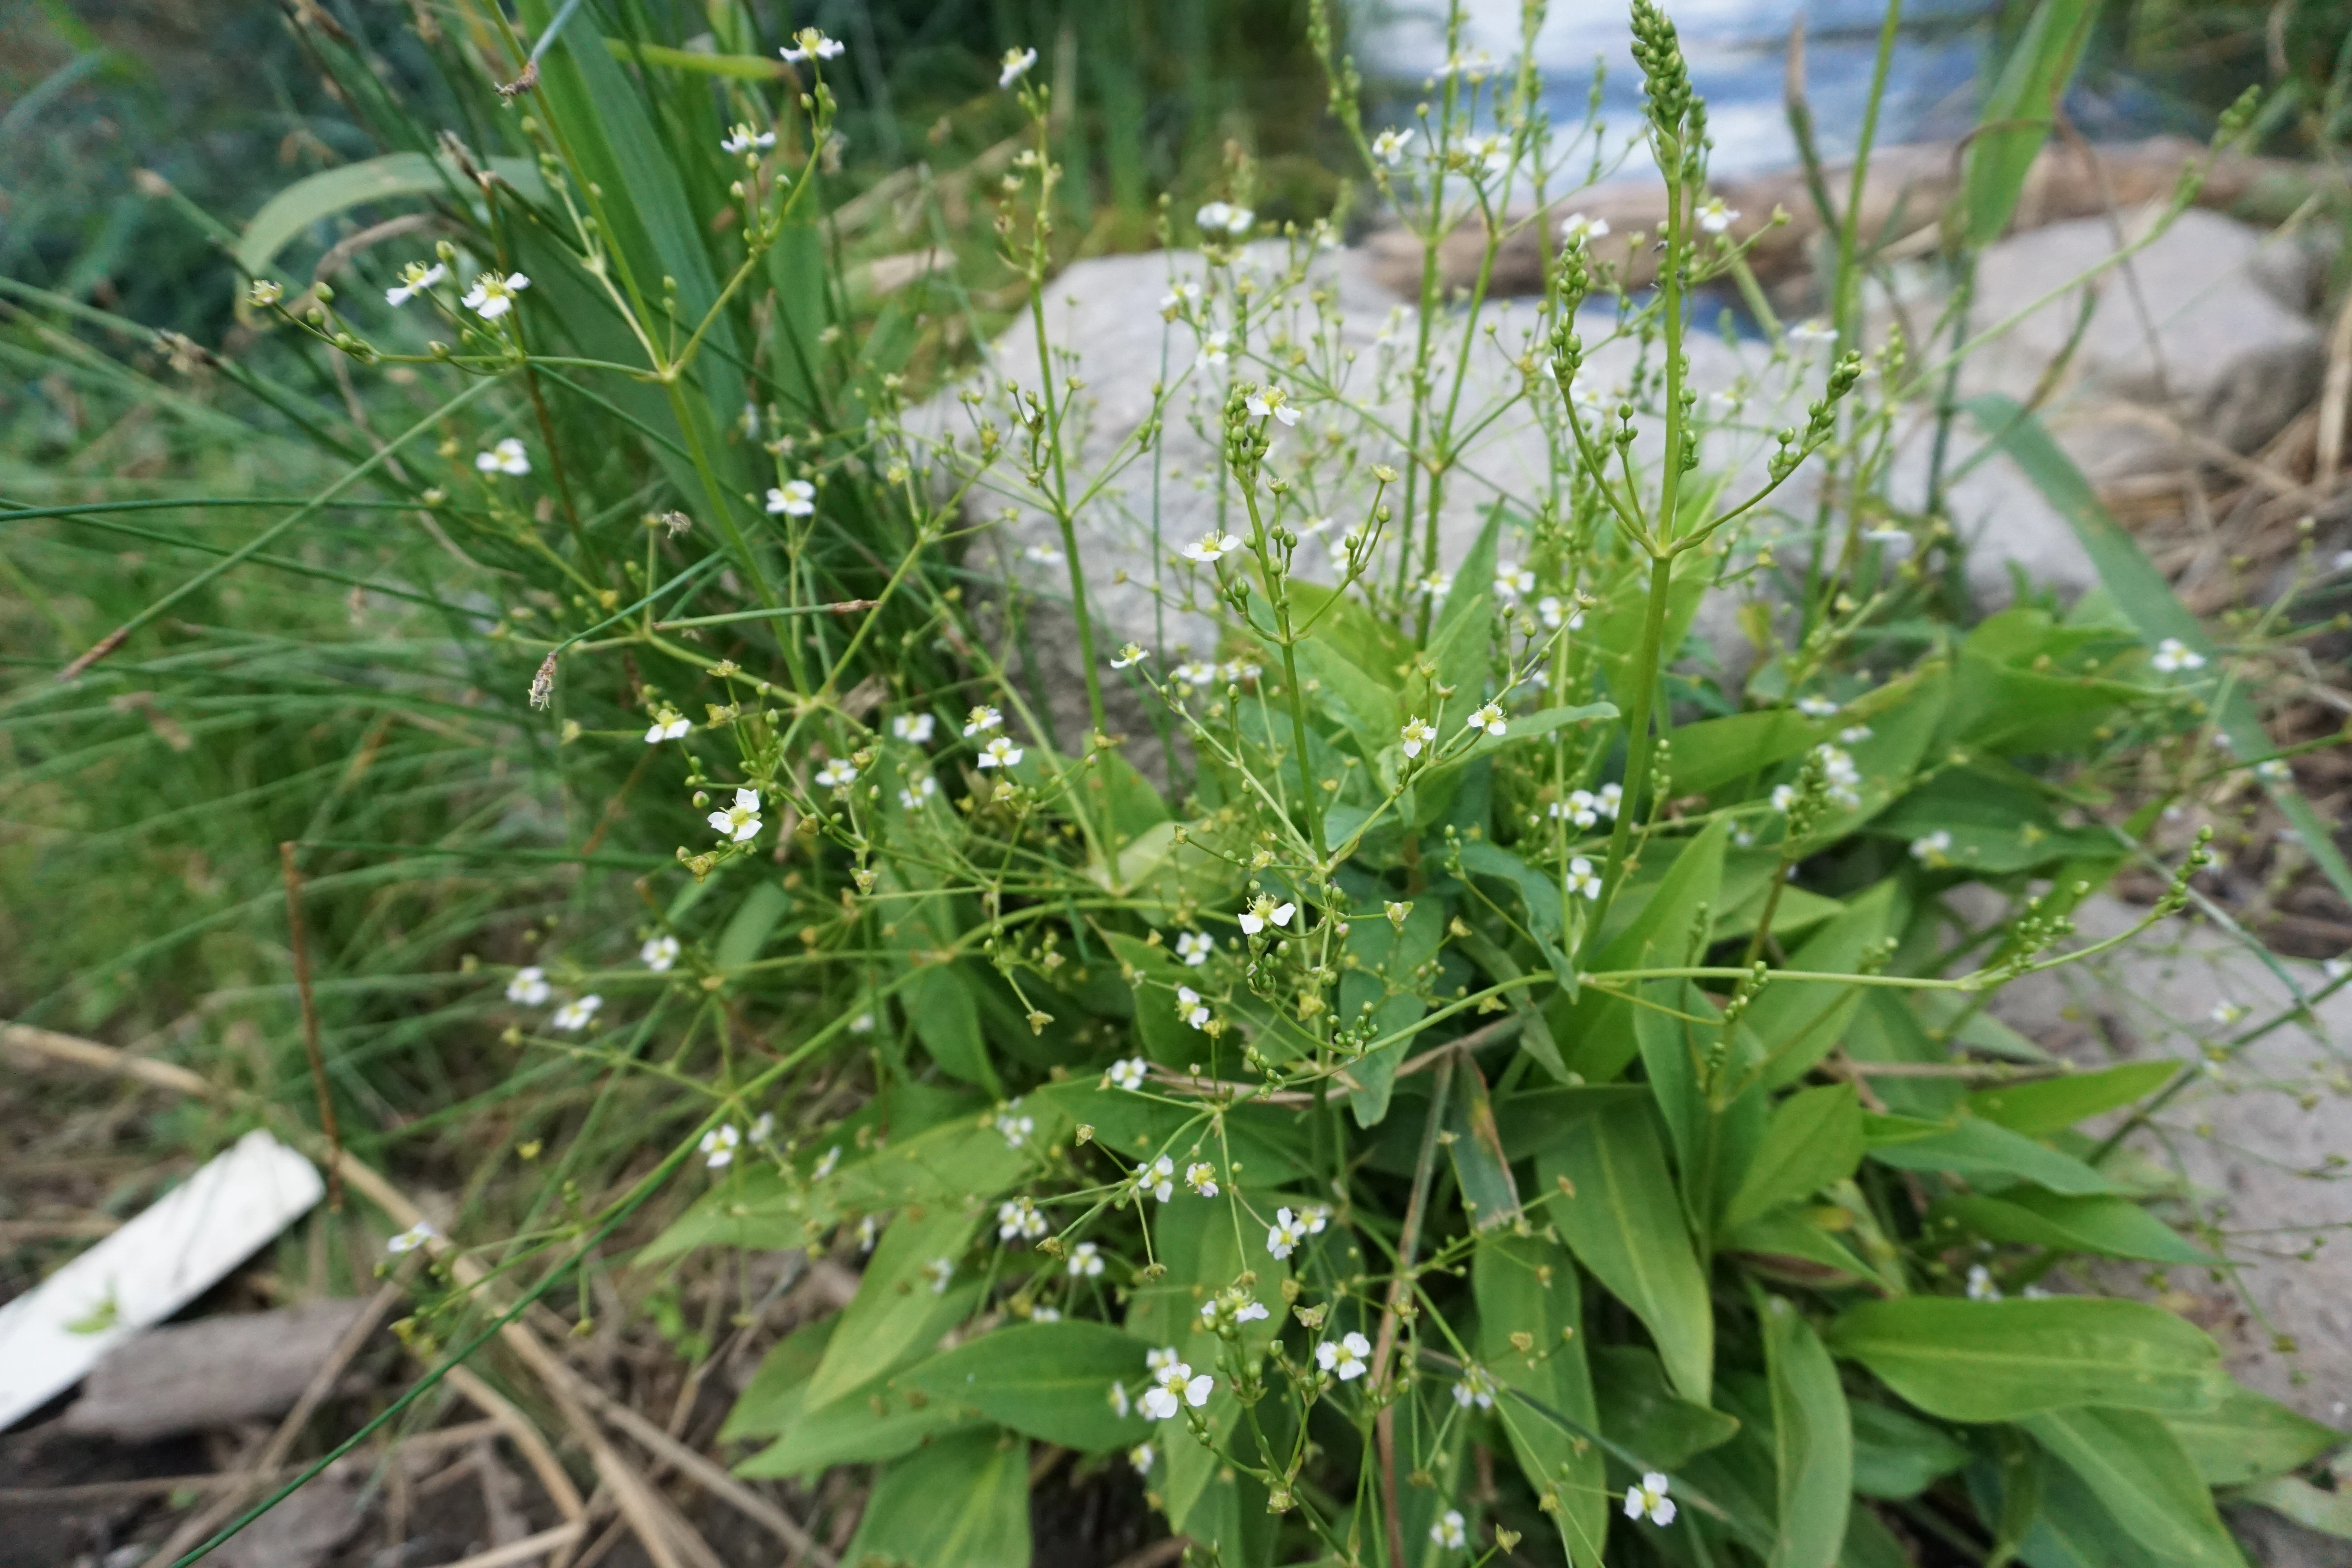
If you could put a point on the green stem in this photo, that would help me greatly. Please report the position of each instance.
(1642, 682)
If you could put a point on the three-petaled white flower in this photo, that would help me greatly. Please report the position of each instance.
(1417, 732)
(1555, 613)
(1015, 1129)
(823, 1168)
(658, 953)
(743, 139)
(1233, 1305)
(415, 279)
(1854, 734)
(939, 1271)
(1225, 218)
(1194, 673)
(1014, 66)
(1579, 807)
(1272, 401)
(1576, 228)
(915, 728)
(718, 1145)
(669, 724)
(409, 1240)
(1202, 1177)
(1212, 547)
(266, 292)
(1173, 1387)
(1018, 1220)
(1132, 654)
(836, 774)
(1190, 1008)
(1194, 947)
(1582, 878)
(793, 497)
(1606, 802)
(1350, 1356)
(1715, 217)
(1140, 1457)
(506, 457)
(1489, 154)
(1810, 333)
(1511, 581)
(1934, 849)
(1215, 349)
(1389, 145)
(1434, 585)
(1648, 1499)
(1475, 1386)
(528, 986)
(493, 296)
(2226, 1013)
(1179, 299)
(1264, 911)
(810, 44)
(924, 788)
(1085, 1261)
(1159, 1179)
(1490, 719)
(1000, 753)
(740, 823)
(1127, 1073)
(574, 1017)
(980, 720)
(2275, 770)
(2173, 656)
(1451, 1530)
(1817, 706)
(1286, 1235)
(1044, 555)
(1980, 1285)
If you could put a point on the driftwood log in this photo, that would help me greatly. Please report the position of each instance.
(1903, 200)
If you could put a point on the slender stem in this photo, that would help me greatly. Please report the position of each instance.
(1400, 1288)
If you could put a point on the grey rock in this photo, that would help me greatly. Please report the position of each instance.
(2271, 1542)
(209, 1375)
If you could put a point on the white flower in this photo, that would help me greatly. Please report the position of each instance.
(493, 296)
(1127, 1073)
(528, 986)
(1223, 217)
(1190, 1008)
(1273, 401)
(837, 774)
(1016, 1129)
(866, 1230)
(939, 1271)
(1474, 68)
(1714, 217)
(1489, 154)
(1554, 615)
(824, 1168)
(1045, 1314)
(1817, 706)
(1262, 912)
(1511, 581)
(1389, 145)
(574, 1017)
(924, 788)
(1475, 1386)
(793, 497)
(1202, 1177)
(981, 720)
(1085, 1263)
(2275, 770)
(719, 1146)
(1434, 585)
(1607, 801)
(810, 44)
(1783, 797)
(1350, 1356)
(1132, 654)
(1212, 547)
(1451, 1530)
(1315, 1216)
(1854, 734)
(1215, 349)
(1045, 555)
(1582, 878)
(1416, 733)
(415, 279)
(2335, 969)
(1016, 64)
(1018, 1220)
(1140, 1456)
(1195, 674)
(1194, 947)
(409, 1240)
(1179, 299)
(1490, 719)
(265, 292)
(915, 728)
(1980, 1285)
(2226, 1013)
(658, 953)
(1586, 393)
(1160, 1361)
(743, 139)
(1811, 332)
(1173, 1387)
(669, 724)
(506, 457)
(1283, 1237)
(1579, 807)
(740, 823)
(1159, 1179)
(1934, 849)
(1000, 753)
(1576, 229)
(1649, 1497)
(2172, 655)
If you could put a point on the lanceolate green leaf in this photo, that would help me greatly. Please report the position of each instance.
(1047, 1381)
(393, 176)
(1813, 1441)
(2054, 1104)
(2001, 1361)
(893, 1309)
(2104, 1226)
(2246, 1436)
(2018, 117)
(1985, 1152)
(2140, 1472)
(1619, 1216)
(1814, 1138)
(964, 1500)
(1527, 1286)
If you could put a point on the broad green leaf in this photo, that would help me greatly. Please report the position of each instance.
(893, 1311)
(2328, 1512)
(2052, 1104)
(1595, 1031)
(2246, 1436)
(1538, 892)
(2104, 1226)
(1367, 706)
(877, 1424)
(1155, 973)
(1480, 1167)
(1267, 1146)
(1789, 1246)
(1814, 1138)
(1467, 601)
(1897, 1455)
(1333, 617)
(1642, 1415)
(2146, 597)
(747, 928)
(772, 1397)
(1993, 825)
(1619, 1216)
(2018, 115)
(1049, 1381)
(1383, 960)
(2141, 1473)
(1527, 1285)
(1691, 1067)
(1798, 1023)
(1714, 752)
(2001, 1361)
(1813, 1441)
(391, 177)
(1534, 1122)
(964, 1500)
(1986, 1153)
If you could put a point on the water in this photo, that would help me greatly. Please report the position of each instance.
(1737, 51)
